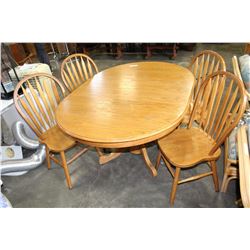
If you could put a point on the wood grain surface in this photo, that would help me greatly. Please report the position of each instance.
(127, 105)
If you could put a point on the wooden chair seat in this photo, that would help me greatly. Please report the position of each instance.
(56, 140)
(187, 147)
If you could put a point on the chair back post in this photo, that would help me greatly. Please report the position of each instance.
(42, 94)
(76, 69)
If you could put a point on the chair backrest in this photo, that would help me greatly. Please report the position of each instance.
(204, 64)
(41, 95)
(221, 102)
(76, 69)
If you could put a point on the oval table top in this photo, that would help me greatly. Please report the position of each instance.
(127, 105)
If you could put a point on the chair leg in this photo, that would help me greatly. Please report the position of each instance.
(225, 184)
(158, 160)
(66, 170)
(225, 181)
(226, 166)
(48, 158)
(174, 186)
(215, 176)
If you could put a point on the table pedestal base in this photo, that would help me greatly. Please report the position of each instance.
(135, 150)
(105, 158)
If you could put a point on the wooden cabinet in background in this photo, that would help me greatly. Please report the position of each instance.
(247, 48)
(20, 54)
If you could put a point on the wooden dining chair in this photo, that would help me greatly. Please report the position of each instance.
(231, 168)
(76, 69)
(37, 107)
(202, 65)
(222, 100)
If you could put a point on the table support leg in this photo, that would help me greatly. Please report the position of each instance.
(149, 164)
(105, 158)
(135, 150)
(108, 157)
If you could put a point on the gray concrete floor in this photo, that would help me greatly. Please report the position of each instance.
(125, 181)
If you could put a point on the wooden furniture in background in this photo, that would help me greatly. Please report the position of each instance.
(127, 106)
(247, 48)
(30, 48)
(37, 107)
(186, 46)
(202, 65)
(119, 49)
(19, 54)
(244, 165)
(77, 69)
(86, 48)
(166, 47)
(221, 101)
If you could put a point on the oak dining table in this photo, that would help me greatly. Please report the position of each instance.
(128, 106)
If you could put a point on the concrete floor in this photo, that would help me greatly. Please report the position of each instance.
(125, 181)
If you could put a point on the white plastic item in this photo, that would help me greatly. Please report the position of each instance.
(232, 145)
(4, 202)
(28, 69)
